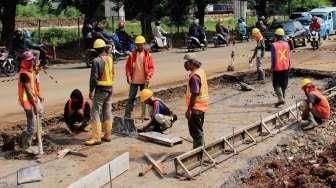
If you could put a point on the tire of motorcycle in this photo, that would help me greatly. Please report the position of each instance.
(9, 68)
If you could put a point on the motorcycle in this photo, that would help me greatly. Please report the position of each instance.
(193, 43)
(90, 54)
(119, 48)
(220, 39)
(243, 35)
(314, 39)
(7, 63)
(157, 44)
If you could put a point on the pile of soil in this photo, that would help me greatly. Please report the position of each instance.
(309, 160)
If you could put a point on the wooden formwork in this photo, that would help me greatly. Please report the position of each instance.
(198, 160)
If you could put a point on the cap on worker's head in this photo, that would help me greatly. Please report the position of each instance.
(305, 82)
(28, 56)
(255, 31)
(99, 43)
(140, 39)
(189, 56)
(279, 32)
(145, 94)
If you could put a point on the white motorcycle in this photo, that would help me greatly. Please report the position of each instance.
(7, 63)
(314, 39)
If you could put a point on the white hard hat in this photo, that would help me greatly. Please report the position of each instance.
(189, 56)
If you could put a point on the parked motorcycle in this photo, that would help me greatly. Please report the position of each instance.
(7, 63)
(314, 39)
(243, 35)
(193, 43)
(219, 39)
(157, 44)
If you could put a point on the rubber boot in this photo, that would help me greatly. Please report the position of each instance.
(261, 75)
(281, 100)
(95, 134)
(310, 123)
(107, 130)
(26, 140)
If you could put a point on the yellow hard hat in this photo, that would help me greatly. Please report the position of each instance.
(145, 94)
(140, 40)
(255, 31)
(99, 43)
(305, 82)
(279, 32)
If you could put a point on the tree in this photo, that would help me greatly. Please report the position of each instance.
(179, 10)
(7, 18)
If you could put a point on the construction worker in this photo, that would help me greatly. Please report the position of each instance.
(139, 71)
(259, 53)
(162, 117)
(281, 60)
(77, 111)
(28, 96)
(196, 98)
(101, 81)
(316, 108)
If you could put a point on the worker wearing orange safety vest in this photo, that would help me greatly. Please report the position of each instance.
(101, 81)
(317, 106)
(28, 93)
(197, 99)
(281, 60)
(258, 53)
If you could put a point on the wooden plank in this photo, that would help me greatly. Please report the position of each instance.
(29, 175)
(156, 166)
(101, 175)
(149, 167)
(160, 138)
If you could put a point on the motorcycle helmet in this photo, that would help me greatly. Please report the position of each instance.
(196, 21)
(157, 23)
(262, 18)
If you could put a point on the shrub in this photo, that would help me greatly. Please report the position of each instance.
(56, 37)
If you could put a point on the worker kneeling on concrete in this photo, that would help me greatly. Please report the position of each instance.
(316, 108)
(77, 111)
(161, 118)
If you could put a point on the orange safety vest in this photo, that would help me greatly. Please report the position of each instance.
(323, 107)
(22, 93)
(106, 78)
(202, 99)
(282, 55)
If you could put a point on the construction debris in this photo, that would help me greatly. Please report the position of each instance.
(149, 167)
(29, 175)
(156, 165)
(246, 87)
(164, 139)
(62, 153)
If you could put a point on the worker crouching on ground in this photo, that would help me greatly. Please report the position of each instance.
(139, 71)
(259, 53)
(316, 108)
(161, 118)
(101, 80)
(77, 112)
(29, 97)
(280, 56)
(197, 98)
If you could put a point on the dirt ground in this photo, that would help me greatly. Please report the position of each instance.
(227, 107)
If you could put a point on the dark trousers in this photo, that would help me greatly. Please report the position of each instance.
(280, 80)
(195, 124)
(131, 98)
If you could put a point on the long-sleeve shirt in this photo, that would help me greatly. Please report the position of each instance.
(97, 69)
(158, 31)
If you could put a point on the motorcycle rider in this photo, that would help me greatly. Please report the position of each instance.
(159, 33)
(261, 24)
(222, 30)
(315, 26)
(195, 30)
(125, 39)
(242, 26)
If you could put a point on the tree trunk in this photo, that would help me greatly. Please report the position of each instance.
(201, 5)
(8, 22)
(146, 26)
(261, 8)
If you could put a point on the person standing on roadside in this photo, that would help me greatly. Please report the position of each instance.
(28, 94)
(259, 53)
(197, 99)
(101, 82)
(281, 60)
(139, 71)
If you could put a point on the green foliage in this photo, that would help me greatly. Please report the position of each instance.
(36, 10)
(306, 5)
(55, 36)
